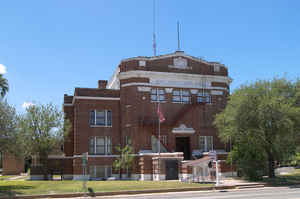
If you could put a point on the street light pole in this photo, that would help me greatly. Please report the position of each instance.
(217, 173)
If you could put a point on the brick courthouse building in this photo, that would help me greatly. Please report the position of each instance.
(123, 110)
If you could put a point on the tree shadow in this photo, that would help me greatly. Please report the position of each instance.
(12, 190)
(288, 181)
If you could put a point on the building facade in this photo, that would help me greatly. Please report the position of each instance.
(190, 92)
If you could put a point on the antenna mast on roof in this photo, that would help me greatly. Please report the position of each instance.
(154, 39)
(178, 38)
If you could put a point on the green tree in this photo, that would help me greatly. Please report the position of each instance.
(8, 129)
(43, 130)
(262, 120)
(3, 86)
(125, 160)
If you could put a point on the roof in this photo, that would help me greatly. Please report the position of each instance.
(176, 53)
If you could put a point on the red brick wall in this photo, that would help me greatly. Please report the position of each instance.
(83, 131)
(134, 115)
(161, 65)
(12, 165)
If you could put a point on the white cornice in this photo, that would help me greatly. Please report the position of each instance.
(173, 76)
(176, 86)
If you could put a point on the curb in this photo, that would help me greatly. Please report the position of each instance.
(69, 195)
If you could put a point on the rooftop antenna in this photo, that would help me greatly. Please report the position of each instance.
(178, 38)
(154, 39)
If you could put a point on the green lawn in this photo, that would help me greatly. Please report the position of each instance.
(51, 187)
(290, 179)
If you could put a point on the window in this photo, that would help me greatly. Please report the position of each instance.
(158, 94)
(100, 118)
(205, 143)
(164, 139)
(181, 96)
(100, 145)
(203, 97)
(100, 172)
(128, 140)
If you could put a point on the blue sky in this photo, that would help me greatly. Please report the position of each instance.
(50, 47)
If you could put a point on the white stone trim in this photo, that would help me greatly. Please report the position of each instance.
(68, 104)
(161, 85)
(183, 129)
(173, 76)
(144, 89)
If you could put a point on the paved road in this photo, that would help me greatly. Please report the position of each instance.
(268, 192)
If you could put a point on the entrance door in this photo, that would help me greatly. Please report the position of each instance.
(171, 170)
(183, 145)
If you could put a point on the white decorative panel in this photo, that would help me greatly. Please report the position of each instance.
(183, 129)
(216, 68)
(180, 63)
(213, 92)
(144, 89)
(169, 90)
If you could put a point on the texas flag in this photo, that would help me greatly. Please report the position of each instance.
(160, 114)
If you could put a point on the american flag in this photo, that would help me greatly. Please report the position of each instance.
(160, 114)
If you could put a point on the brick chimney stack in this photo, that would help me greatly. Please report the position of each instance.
(102, 84)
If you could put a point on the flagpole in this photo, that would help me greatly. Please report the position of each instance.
(158, 165)
(159, 130)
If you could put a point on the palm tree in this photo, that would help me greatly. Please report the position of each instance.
(3, 86)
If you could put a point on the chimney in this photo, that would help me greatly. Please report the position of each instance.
(102, 84)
